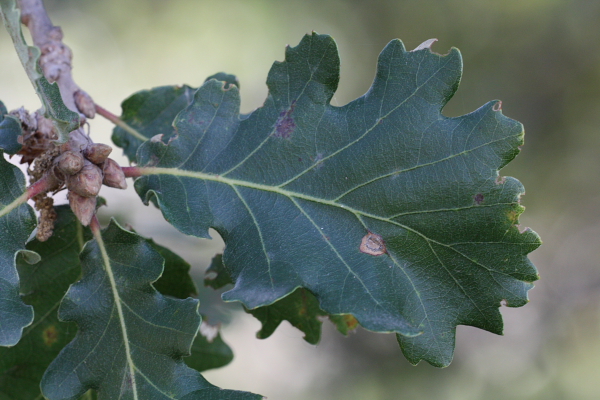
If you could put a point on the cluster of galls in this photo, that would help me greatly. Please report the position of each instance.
(79, 165)
(84, 172)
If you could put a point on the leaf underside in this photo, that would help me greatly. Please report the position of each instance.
(384, 208)
(16, 224)
(131, 339)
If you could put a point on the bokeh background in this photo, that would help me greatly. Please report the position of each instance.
(540, 57)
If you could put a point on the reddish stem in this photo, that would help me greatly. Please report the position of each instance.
(95, 225)
(43, 185)
(131, 172)
(107, 114)
(120, 123)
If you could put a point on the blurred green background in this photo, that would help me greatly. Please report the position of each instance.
(540, 57)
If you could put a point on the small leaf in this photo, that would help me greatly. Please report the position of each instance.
(300, 308)
(17, 221)
(64, 119)
(131, 339)
(217, 275)
(175, 280)
(10, 130)
(45, 283)
(209, 350)
(150, 113)
(384, 208)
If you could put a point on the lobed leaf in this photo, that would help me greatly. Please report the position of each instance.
(131, 339)
(17, 221)
(45, 284)
(384, 208)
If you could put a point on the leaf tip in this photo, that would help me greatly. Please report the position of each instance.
(30, 257)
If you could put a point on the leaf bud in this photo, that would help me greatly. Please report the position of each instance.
(69, 162)
(83, 207)
(97, 152)
(87, 182)
(113, 175)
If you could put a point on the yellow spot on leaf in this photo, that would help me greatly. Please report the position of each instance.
(50, 335)
(513, 216)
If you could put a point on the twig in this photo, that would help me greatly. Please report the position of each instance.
(55, 60)
(43, 185)
(95, 227)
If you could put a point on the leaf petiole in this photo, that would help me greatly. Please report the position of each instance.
(119, 122)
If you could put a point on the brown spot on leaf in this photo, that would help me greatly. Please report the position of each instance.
(497, 106)
(372, 244)
(50, 335)
(285, 125)
(350, 321)
(478, 198)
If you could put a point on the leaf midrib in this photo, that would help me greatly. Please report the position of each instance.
(117, 301)
(291, 195)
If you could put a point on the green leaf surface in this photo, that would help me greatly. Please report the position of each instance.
(175, 280)
(131, 339)
(149, 113)
(17, 221)
(384, 208)
(300, 308)
(45, 284)
(208, 349)
(10, 130)
(64, 119)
